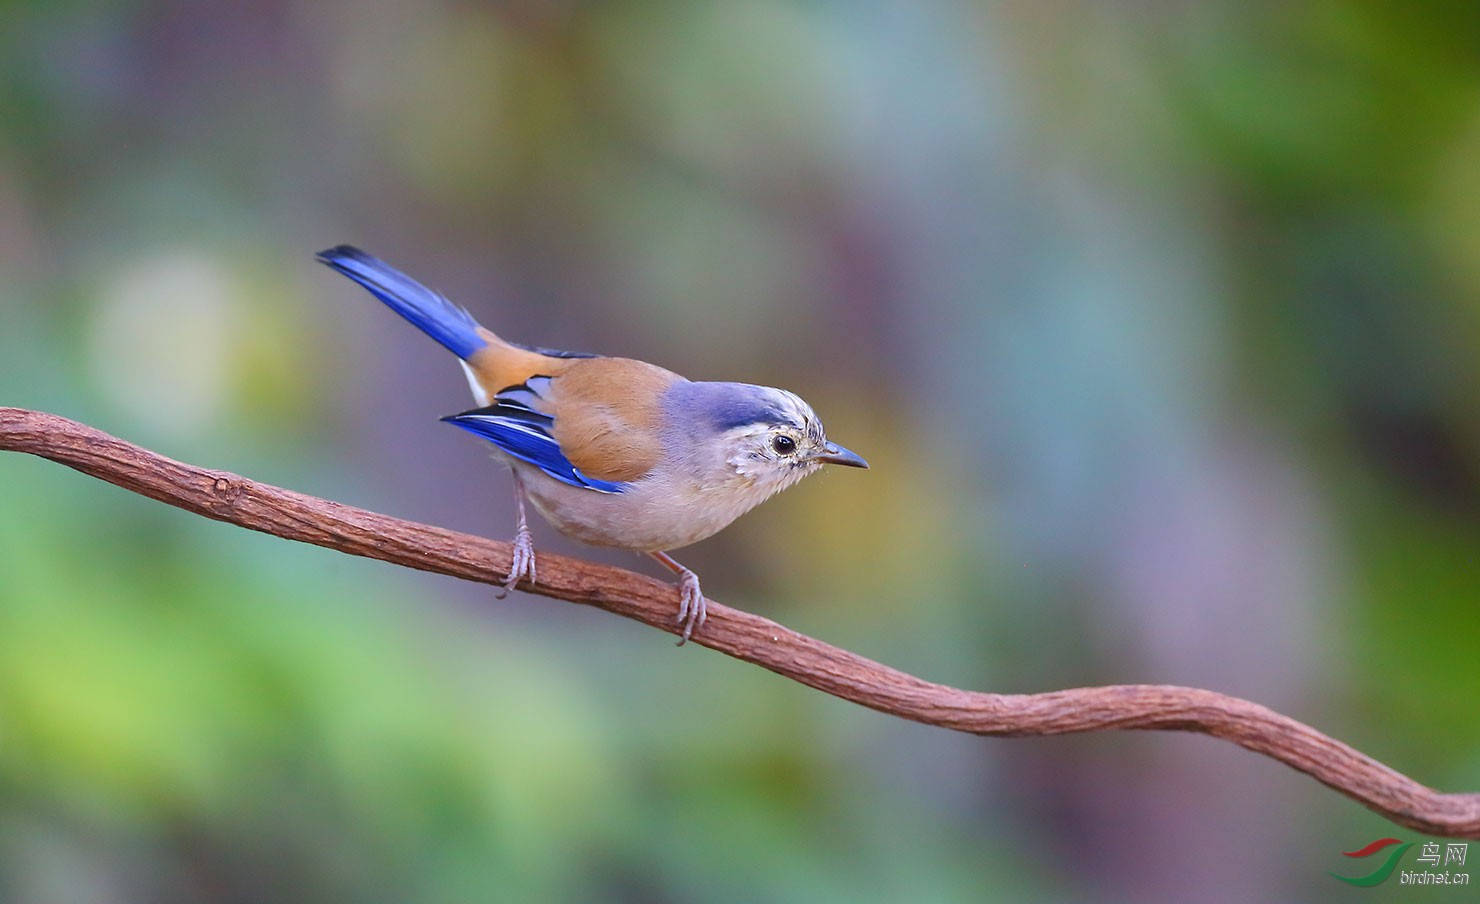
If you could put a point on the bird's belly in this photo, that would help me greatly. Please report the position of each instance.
(650, 516)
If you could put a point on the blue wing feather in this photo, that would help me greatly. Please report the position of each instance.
(523, 432)
(439, 318)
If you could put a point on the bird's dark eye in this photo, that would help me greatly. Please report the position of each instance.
(784, 445)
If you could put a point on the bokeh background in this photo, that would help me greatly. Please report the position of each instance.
(1157, 321)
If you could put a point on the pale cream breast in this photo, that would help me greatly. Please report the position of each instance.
(653, 514)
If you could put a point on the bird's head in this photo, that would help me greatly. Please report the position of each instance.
(766, 439)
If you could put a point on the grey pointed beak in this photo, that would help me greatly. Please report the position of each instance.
(834, 454)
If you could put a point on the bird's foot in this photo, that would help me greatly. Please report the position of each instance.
(523, 568)
(691, 613)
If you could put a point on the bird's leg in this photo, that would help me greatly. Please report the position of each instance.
(523, 564)
(691, 612)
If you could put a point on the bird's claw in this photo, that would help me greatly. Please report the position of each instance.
(523, 566)
(691, 610)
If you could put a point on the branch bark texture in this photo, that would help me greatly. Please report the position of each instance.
(223, 496)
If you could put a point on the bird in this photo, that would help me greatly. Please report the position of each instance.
(612, 451)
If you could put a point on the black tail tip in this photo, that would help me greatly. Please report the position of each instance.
(340, 253)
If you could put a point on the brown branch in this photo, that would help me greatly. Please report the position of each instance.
(283, 513)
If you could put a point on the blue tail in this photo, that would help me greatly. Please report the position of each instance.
(434, 315)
